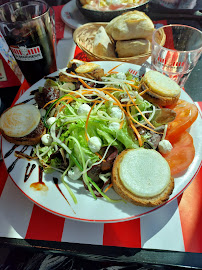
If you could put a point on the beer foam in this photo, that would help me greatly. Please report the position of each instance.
(20, 120)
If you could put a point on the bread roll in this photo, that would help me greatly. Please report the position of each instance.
(130, 25)
(142, 177)
(162, 91)
(129, 48)
(102, 44)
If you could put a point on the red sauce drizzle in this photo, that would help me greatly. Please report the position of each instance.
(40, 185)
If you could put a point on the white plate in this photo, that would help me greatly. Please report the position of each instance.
(87, 208)
(71, 15)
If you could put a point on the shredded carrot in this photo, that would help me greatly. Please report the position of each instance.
(82, 81)
(64, 105)
(110, 88)
(84, 91)
(49, 103)
(62, 99)
(117, 101)
(132, 85)
(129, 105)
(111, 185)
(86, 125)
(143, 92)
(100, 156)
(62, 108)
(120, 106)
(113, 72)
(110, 71)
(145, 118)
(121, 125)
(71, 99)
(137, 133)
(130, 116)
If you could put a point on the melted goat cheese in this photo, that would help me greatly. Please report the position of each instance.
(144, 172)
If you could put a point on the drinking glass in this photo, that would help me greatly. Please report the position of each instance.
(28, 27)
(180, 52)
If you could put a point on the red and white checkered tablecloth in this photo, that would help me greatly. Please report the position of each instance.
(176, 226)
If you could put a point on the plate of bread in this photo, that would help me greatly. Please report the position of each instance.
(140, 179)
(126, 38)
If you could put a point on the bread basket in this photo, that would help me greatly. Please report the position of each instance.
(84, 37)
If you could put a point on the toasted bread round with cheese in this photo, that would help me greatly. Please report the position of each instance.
(163, 91)
(142, 177)
(22, 124)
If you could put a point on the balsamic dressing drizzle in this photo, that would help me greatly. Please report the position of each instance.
(28, 174)
(40, 174)
(55, 180)
(11, 150)
(27, 100)
(40, 185)
(34, 91)
(52, 78)
(11, 167)
(31, 152)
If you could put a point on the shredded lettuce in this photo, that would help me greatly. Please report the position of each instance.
(71, 132)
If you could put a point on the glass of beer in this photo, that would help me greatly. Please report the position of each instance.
(180, 52)
(29, 30)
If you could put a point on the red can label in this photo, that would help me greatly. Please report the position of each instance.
(23, 53)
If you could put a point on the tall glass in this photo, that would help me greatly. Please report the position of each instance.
(180, 53)
(28, 27)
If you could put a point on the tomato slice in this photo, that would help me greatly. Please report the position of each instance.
(186, 115)
(182, 154)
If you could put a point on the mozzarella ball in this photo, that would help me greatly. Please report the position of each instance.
(74, 173)
(114, 126)
(51, 121)
(121, 76)
(46, 139)
(95, 144)
(83, 109)
(164, 146)
(116, 112)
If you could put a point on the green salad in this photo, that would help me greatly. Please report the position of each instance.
(89, 122)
